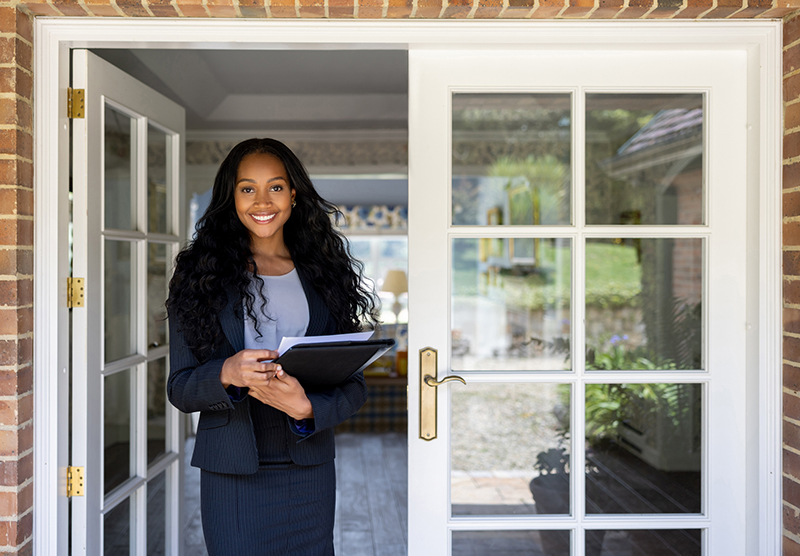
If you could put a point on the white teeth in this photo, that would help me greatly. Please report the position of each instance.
(262, 219)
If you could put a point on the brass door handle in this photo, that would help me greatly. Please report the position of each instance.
(430, 381)
(428, 364)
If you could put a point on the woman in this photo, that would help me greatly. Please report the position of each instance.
(265, 263)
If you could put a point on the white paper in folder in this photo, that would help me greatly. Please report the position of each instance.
(289, 341)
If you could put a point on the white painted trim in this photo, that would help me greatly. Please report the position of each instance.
(767, 107)
(320, 136)
(53, 36)
(51, 317)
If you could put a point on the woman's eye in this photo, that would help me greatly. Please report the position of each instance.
(246, 190)
(277, 188)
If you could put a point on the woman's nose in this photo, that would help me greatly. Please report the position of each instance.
(262, 198)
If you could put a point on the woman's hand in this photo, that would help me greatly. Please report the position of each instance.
(249, 368)
(284, 393)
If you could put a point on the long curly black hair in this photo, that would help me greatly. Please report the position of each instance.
(220, 257)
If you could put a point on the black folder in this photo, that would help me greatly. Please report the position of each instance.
(323, 366)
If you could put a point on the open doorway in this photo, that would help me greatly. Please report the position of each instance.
(344, 113)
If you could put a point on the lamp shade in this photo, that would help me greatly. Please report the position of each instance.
(395, 282)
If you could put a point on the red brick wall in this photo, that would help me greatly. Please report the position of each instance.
(16, 280)
(16, 194)
(791, 286)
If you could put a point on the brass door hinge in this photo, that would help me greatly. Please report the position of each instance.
(74, 481)
(75, 297)
(75, 103)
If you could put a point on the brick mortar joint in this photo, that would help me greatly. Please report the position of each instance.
(17, 489)
(24, 336)
(17, 96)
(791, 73)
(15, 127)
(792, 421)
(16, 549)
(16, 36)
(17, 458)
(4, 156)
(23, 217)
(790, 535)
(794, 364)
(16, 428)
(8, 519)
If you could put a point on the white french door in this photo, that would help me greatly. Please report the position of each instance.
(127, 225)
(577, 226)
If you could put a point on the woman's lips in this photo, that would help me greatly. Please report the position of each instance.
(263, 218)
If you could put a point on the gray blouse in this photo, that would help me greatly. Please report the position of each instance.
(286, 312)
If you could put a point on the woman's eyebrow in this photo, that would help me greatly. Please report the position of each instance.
(251, 180)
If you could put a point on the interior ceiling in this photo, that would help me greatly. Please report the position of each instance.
(276, 89)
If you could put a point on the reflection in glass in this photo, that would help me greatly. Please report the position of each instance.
(118, 459)
(511, 159)
(511, 543)
(157, 516)
(654, 542)
(510, 449)
(120, 263)
(156, 409)
(117, 530)
(643, 448)
(119, 189)
(511, 304)
(158, 205)
(644, 304)
(157, 281)
(644, 158)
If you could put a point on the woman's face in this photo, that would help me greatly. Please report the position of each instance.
(263, 196)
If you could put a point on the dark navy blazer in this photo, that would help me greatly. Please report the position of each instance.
(226, 442)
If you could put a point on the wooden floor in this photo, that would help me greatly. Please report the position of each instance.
(371, 496)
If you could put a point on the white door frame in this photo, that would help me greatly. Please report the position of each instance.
(759, 39)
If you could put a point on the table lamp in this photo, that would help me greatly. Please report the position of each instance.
(396, 283)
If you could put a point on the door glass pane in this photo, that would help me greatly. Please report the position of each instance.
(643, 448)
(644, 159)
(511, 304)
(158, 205)
(156, 409)
(511, 159)
(117, 454)
(652, 542)
(644, 304)
(157, 280)
(119, 174)
(120, 264)
(117, 530)
(157, 515)
(510, 449)
(511, 543)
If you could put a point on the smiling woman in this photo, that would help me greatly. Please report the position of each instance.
(266, 263)
(264, 201)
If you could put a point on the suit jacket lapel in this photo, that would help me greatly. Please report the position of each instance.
(232, 322)
(317, 310)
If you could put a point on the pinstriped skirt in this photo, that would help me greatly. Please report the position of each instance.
(281, 510)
